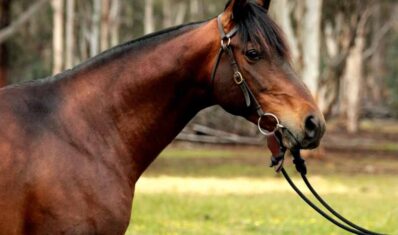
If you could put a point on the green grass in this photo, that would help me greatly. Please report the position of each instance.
(221, 192)
(276, 213)
(382, 126)
(391, 147)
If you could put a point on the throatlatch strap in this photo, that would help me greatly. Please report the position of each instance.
(218, 59)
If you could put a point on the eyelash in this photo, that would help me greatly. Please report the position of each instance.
(256, 57)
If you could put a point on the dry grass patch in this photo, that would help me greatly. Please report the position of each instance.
(238, 186)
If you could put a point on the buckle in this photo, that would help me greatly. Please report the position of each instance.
(225, 42)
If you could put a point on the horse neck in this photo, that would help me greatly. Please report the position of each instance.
(145, 97)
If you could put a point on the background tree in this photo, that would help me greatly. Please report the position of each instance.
(70, 34)
(149, 22)
(114, 21)
(5, 19)
(95, 28)
(324, 36)
(353, 76)
(105, 24)
(58, 35)
(8, 29)
(311, 38)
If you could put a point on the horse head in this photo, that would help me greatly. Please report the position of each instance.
(261, 56)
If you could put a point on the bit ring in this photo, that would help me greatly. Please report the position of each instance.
(266, 132)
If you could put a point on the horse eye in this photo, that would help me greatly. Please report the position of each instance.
(253, 55)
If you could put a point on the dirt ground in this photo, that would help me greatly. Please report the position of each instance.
(374, 150)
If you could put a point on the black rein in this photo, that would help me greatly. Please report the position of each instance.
(278, 160)
(302, 169)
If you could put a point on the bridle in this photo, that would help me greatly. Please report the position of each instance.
(277, 161)
(239, 80)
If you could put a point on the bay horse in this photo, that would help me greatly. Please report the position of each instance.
(73, 146)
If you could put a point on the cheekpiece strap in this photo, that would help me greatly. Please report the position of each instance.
(238, 78)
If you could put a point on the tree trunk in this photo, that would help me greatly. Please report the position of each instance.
(95, 24)
(167, 14)
(181, 12)
(328, 89)
(377, 70)
(58, 29)
(149, 21)
(354, 79)
(70, 34)
(339, 34)
(115, 22)
(281, 12)
(105, 24)
(196, 9)
(5, 18)
(375, 80)
(311, 38)
(84, 39)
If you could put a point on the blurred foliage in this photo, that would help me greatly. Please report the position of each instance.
(392, 74)
(31, 48)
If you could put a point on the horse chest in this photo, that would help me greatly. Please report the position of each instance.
(78, 210)
(60, 197)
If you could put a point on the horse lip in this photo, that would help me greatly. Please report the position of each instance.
(291, 141)
(288, 139)
(311, 145)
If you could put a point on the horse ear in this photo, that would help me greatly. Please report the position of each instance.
(239, 4)
(236, 4)
(236, 7)
(264, 3)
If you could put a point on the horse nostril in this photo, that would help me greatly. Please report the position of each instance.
(311, 126)
(314, 129)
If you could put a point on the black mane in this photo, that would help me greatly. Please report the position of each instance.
(159, 36)
(255, 27)
(141, 44)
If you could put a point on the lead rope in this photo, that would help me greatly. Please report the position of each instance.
(302, 169)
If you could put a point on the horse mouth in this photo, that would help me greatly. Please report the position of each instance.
(287, 139)
(290, 140)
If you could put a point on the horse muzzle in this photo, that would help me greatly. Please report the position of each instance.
(309, 137)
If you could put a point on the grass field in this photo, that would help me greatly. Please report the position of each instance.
(232, 191)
